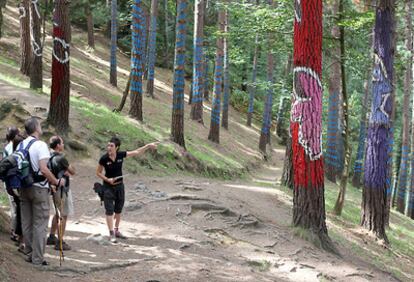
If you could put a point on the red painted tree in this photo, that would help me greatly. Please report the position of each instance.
(306, 121)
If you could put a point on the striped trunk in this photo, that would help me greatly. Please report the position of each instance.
(36, 66)
(114, 28)
(152, 48)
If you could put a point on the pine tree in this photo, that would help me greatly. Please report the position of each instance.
(114, 37)
(136, 60)
(36, 67)
(89, 23)
(214, 134)
(226, 75)
(177, 123)
(306, 121)
(25, 49)
(374, 196)
(198, 64)
(252, 88)
(59, 96)
(152, 48)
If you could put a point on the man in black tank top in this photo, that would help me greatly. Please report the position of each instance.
(114, 191)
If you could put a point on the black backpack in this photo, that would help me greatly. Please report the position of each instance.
(16, 170)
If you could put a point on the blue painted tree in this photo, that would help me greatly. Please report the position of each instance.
(136, 60)
(114, 37)
(152, 47)
(214, 134)
(198, 63)
(177, 123)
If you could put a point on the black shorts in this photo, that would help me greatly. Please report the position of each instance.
(114, 198)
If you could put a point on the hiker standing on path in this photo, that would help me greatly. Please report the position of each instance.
(13, 138)
(35, 199)
(114, 191)
(62, 197)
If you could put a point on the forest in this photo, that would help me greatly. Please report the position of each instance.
(285, 134)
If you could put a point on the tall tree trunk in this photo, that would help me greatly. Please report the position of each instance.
(89, 23)
(214, 134)
(226, 75)
(60, 90)
(36, 68)
(206, 79)
(107, 32)
(114, 36)
(136, 60)
(252, 88)
(287, 174)
(166, 35)
(146, 44)
(281, 128)
(198, 63)
(374, 196)
(152, 48)
(405, 146)
(2, 6)
(306, 121)
(268, 105)
(25, 49)
(334, 81)
(345, 124)
(177, 123)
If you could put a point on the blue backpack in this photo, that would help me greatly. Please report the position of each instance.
(16, 170)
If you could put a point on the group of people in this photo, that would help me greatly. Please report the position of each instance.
(30, 207)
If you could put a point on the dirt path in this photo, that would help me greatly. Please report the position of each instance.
(183, 229)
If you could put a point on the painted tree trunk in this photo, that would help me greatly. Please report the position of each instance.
(152, 47)
(306, 121)
(25, 49)
(206, 79)
(281, 126)
(198, 63)
(36, 67)
(374, 196)
(146, 44)
(60, 90)
(226, 75)
(166, 35)
(214, 134)
(136, 60)
(89, 23)
(405, 148)
(334, 80)
(177, 123)
(114, 36)
(345, 121)
(287, 174)
(252, 88)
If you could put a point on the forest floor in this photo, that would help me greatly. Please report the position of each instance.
(183, 226)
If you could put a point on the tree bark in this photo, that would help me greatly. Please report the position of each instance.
(89, 21)
(405, 146)
(2, 5)
(25, 49)
(306, 122)
(198, 64)
(334, 80)
(146, 44)
(345, 123)
(287, 174)
(36, 68)
(60, 90)
(152, 48)
(281, 128)
(177, 123)
(124, 95)
(252, 88)
(136, 60)
(114, 36)
(374, 196)
(166, 35)
(214, 134)
(226, 75)
(206, 79)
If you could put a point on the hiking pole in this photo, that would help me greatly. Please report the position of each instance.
(62, 204)
(58, 218)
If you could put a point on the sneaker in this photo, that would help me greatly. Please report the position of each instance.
(52, 240)
(112, 239)
(120, 235)
(65, 246)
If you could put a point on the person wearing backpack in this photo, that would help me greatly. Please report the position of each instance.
(13, 138)
(114, 191)
(62, 198)
(35, 198)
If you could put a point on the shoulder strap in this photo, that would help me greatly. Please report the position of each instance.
(26, 150)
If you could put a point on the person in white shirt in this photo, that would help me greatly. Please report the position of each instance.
(35, 199)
